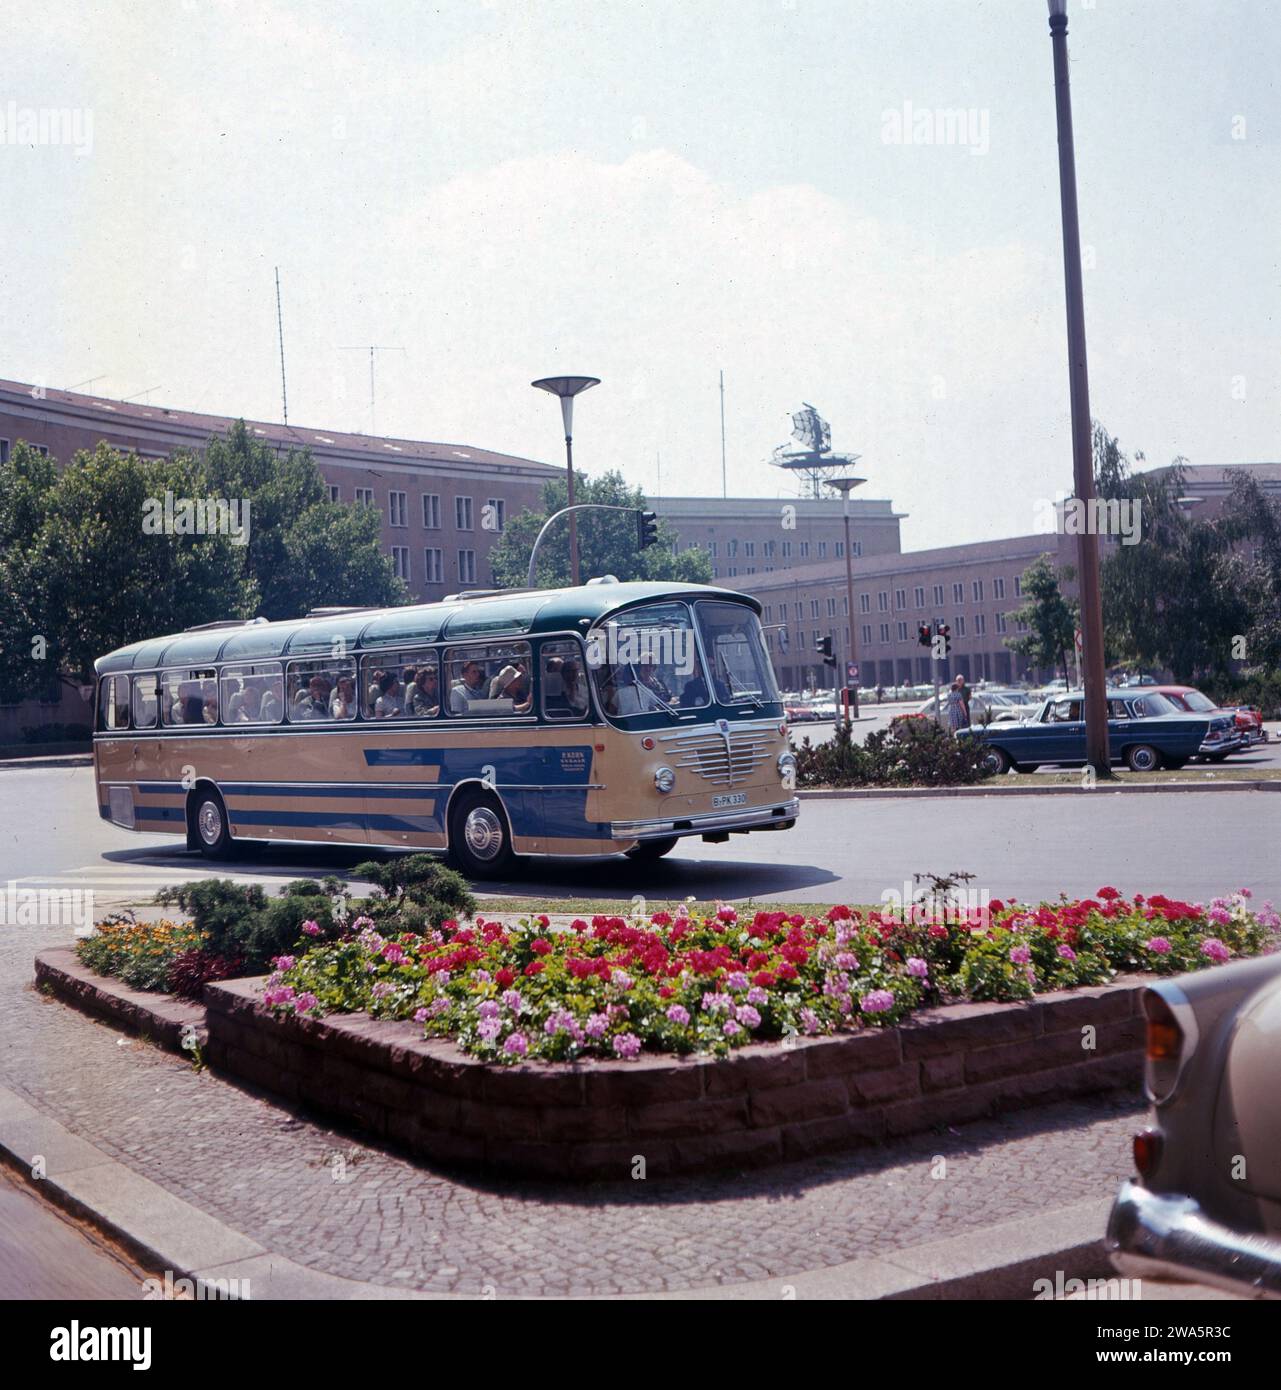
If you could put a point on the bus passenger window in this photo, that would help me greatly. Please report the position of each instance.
(489, 681)
(144, 702)
(564, 682)
(321, 691)
(252, 694)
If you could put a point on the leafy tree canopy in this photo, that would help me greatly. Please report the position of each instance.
(1050, 617)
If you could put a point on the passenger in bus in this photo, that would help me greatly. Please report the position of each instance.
(211, 707)
(389, 704)
(342, 703)
(566, 691)
(268, 706)
(312, 702)
(512, 684)
(424, 693)
(471, 687)
(372, 694)
(243, 706)
(648, 677)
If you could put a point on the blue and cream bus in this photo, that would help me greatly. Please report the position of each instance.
(613, 718)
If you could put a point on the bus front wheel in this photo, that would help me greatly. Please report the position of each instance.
(209, 820)
(647, 851)
(479, 840)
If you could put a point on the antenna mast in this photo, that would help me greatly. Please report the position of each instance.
(280, 333)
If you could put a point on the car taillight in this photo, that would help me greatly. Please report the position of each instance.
(1165, 1037)
(1147, 1151)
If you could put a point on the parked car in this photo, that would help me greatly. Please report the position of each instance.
(1145, 732)
(981, 702)
(1205, 1205)
(1249, 727)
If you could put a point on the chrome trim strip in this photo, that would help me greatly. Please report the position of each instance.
(1166, 1235)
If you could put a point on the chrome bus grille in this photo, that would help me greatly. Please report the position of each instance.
(722, 759)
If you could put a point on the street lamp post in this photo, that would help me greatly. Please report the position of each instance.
(567, 387)
(845, 486)
(1096, 725)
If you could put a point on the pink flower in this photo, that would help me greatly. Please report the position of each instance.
(916, 966)
(1215, 950)
(305, 1003)
(1020, 955)
(1160, 945)
(678, 1013)
(879, 1001)
(283, 962)
(1067, 953)
(747, 1016)
(810, 1021)
(516, 1046)
(420, 1015)
(626, 1045)
(730, 1028)
(313, 928)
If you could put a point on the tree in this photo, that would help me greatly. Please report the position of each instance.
(606, 540)
(80, 574)
(304, 551)
(1050, 618)
(1252, 569)
(1168, 598)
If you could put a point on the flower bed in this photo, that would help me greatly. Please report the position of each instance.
(709, 983)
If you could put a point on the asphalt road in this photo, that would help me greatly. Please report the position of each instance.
(1189, 844)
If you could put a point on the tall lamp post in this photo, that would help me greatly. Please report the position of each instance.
(845, 486)
(567, 387)
(1096, 716)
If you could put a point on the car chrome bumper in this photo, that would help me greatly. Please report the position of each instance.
(773, 816)
(1223, 745)
(1166, 1236)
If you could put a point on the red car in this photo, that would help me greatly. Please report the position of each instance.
(1248, 718)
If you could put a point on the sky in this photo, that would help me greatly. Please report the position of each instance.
(652, 193)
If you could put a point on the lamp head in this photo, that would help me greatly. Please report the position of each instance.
(566, 387)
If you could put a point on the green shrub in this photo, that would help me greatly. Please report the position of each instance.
(908, 753)
(414, 892)
(240, 922)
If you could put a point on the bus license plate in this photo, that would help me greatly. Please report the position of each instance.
(731, 799)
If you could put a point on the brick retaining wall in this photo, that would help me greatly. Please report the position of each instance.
(765, 1103)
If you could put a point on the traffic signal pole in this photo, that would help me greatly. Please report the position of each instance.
(646, 530)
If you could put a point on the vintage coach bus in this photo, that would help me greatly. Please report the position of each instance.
(610, 718)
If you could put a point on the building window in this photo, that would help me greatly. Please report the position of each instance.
(467, 563)
(919, 595)
(805, 550)
(818, 638)
(902, 632)
(462, 513)
(845, 605)
(980, 624)
(733, 572)
(749, 550)
(938, 596)
(731, 549)
(364, 497)
(335, 492)
(900, 598)
(958, 593)
(856, 549)
(867, 634)
(800, 638)
(787, 550)
(800, 611)
(769, 612)
(822, 550)
(840, 550)
(831, 608)
(960, 625)
(813, 608)
(4, 451)
(400, 561)
(770, 548)
(978, 591)
(431, 512)
(865, 603)
(494, 515)
(433, 566)
(883, 601)
(398, 511)
(711, 549)
(885, 632)
(751, 569)
(998, 587)
(1000, 622)
(1018, 586)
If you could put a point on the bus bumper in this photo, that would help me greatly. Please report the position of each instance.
(779, 816)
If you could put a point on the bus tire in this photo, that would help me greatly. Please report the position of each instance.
(650, 851)
(480, 841)
(209, 823)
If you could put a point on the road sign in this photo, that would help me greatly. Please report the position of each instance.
(851, 672)
(784, 641)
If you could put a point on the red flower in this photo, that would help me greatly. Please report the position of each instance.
(544, 920)
(764, 979)
(506, 977)
(541, 946)
(787, 972)
(840, 913)
(666, 992)
(535, 967)
(661, 919)
(578, 924)
(1108, 893)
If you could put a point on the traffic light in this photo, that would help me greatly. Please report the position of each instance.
(945, 632)
(923, 635)
(825, 650)
(646, 529)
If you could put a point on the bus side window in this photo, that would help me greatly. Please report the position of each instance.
(564, 682)
(144, 701)
(114, 706)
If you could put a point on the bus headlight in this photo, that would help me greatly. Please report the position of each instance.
(787, 764)
(664, 779)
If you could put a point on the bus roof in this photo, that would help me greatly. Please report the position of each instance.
(518, 613)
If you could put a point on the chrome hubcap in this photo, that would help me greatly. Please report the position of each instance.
(1143, 759)
(209, 823)
(483, 832)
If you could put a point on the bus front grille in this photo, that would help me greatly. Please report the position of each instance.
(721, 759)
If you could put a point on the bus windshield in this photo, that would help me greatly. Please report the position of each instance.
(741, 670)
(645, 661)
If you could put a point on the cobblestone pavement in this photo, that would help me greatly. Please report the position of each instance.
(330, 1202)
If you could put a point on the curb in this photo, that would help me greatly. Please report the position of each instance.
(163, 1233)
(58, 760)
(1061, 789)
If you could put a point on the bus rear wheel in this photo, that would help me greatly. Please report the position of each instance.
(479, 840)
(209, 820)
(649, 851)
